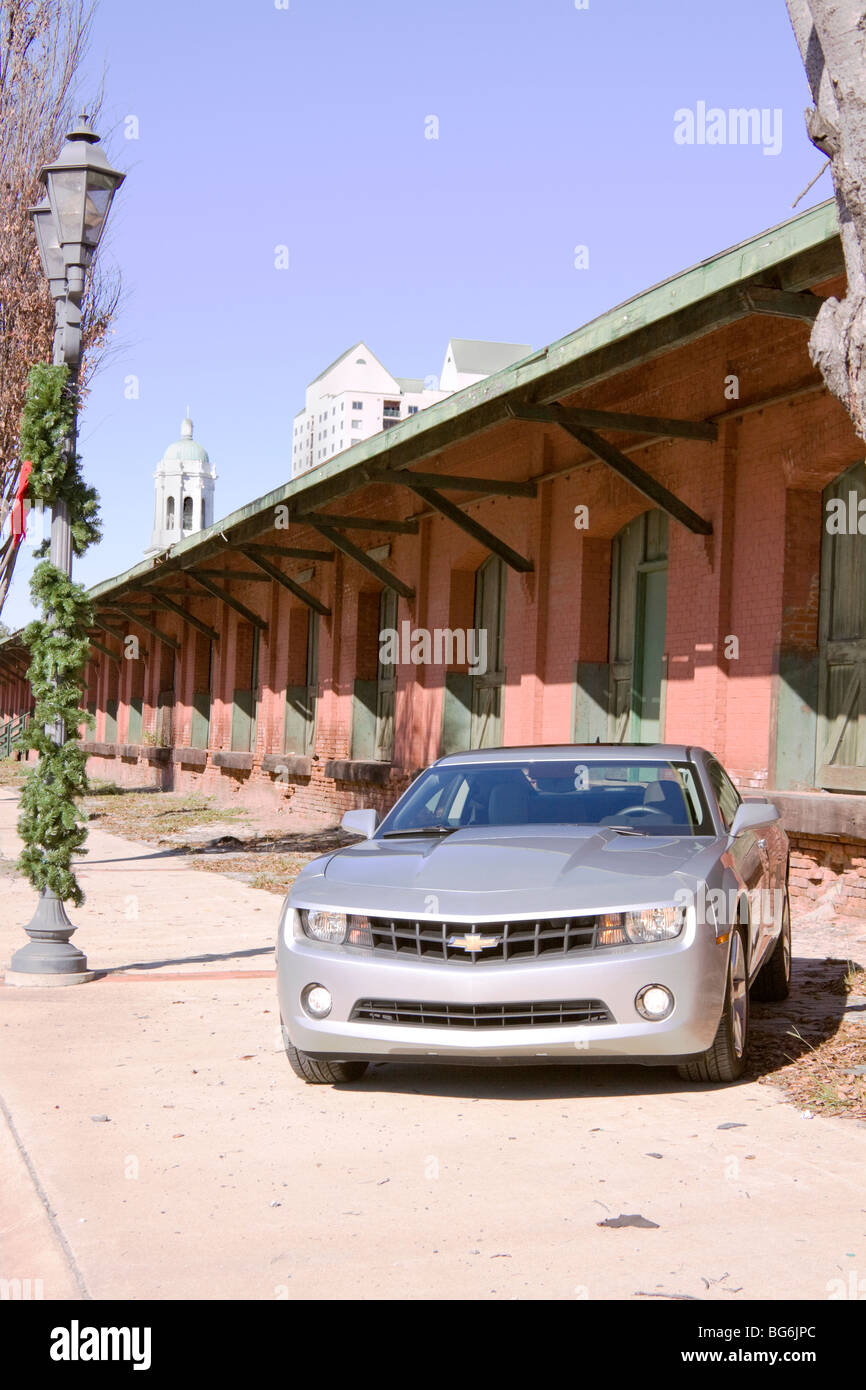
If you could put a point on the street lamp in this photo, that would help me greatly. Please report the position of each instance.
(53, 268)
(81, 185)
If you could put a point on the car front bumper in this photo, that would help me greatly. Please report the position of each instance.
(692, 967)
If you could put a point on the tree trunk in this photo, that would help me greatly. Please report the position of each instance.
(831, 36)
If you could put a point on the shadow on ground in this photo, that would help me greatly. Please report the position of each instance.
(816, 1009)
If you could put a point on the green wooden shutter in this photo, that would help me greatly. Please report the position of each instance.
(638, 607)
(386, 684)
(243, 735)
(841, 748)
(488, 688)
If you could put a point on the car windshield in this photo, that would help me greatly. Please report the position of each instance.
(651, 797)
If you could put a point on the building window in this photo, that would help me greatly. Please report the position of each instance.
(169, 514)
(356, 424)
(187, 514)
(412, 410)
(391, 410)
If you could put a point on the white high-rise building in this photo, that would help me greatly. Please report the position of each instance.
(184, 486)
(357, 396)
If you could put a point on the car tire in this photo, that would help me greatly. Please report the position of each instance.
(725, 1061)
(773, 981)
(318, 1073)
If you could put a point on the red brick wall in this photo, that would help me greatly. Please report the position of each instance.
(756, 579)
(828, 873)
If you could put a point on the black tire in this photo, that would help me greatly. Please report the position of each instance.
(318, 1073)
(773, 981)
(725, 1061)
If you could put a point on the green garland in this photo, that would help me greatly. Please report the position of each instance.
(51, 823)
(48, 418)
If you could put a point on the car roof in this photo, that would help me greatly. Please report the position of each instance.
(555, 752)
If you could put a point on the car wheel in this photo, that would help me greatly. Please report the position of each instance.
(773, 980)
(726, 1059)
(318, 1073)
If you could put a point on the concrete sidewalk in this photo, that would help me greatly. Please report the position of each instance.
(154, 1143)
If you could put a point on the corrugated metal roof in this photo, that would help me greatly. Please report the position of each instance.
(799, 234)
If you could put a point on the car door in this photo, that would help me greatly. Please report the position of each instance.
(749, 851)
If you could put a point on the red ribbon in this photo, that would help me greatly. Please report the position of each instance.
(17, 514)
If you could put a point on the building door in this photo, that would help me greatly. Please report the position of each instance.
(299, 729)
(165, 697)
(386, 683)
(245, 696)
(638, 617)
(202, 684)
(841, 750)
(312, 673)
(488, 687)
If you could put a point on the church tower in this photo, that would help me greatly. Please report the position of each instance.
(184, 485)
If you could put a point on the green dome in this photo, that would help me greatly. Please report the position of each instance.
(186, 449)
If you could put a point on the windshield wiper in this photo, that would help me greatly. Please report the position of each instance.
(422, 830)
(626, 830)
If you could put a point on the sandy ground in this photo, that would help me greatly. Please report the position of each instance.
(154, 1143)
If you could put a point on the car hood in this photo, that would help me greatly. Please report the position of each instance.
(506, 871)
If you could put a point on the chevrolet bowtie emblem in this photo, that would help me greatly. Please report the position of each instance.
(473, 941)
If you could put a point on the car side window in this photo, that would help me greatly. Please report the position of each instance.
(726, 793)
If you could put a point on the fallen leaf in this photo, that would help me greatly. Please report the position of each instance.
(618, 1221)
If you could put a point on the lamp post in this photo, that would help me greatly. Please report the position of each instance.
(80, 185)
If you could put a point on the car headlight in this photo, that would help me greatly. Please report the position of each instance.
(325, 926)
(335, 927)
(640, 928)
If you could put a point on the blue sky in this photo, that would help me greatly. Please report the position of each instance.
(305, 127)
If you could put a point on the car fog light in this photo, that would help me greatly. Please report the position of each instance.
(317, 1001)
(654, 1002)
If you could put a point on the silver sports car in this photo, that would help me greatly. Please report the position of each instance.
(578, 903)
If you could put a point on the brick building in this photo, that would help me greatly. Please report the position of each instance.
(638, 517)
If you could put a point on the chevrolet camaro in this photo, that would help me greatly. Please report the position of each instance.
(586, 903)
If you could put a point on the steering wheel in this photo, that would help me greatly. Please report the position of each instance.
(641, 811)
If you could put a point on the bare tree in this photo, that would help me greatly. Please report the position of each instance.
(42, 44)
(831, 36)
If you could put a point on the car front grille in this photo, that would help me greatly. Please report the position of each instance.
(544, 1013)
(513, 941)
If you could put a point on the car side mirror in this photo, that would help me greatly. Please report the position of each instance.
(751, 814)
(360, 822)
